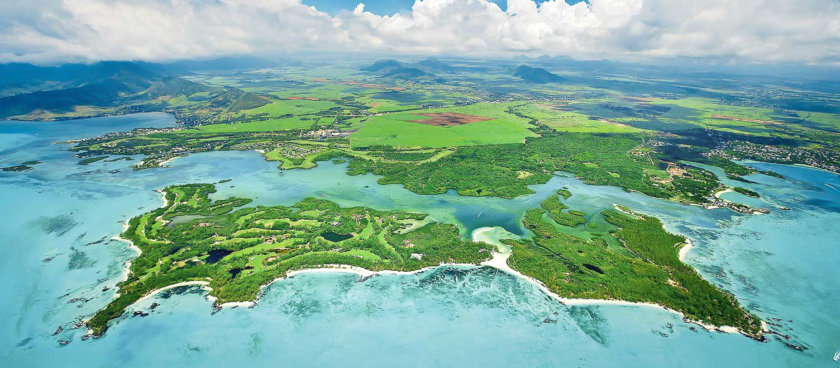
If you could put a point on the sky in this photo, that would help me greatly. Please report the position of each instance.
(739, 32)
(386, 7)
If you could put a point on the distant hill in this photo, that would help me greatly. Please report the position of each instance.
(235, 100)
(229, 63)
(381, 65)
(38, 92)
(424, 69)
(435, 66)
(536, 75)
(406, 73)
(17, 78)
(175, 86)
(66, 87)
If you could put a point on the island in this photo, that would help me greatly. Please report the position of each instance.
(236, 249)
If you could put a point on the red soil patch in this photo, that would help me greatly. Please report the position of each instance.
(449, 119)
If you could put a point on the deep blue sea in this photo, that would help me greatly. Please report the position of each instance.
(58, 264)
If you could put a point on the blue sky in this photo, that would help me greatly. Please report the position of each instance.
(384, 7)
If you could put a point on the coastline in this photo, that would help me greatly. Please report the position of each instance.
(808, 166)
(173, 286)
(162, 197)
(685, 248)
(163, 163)
(133, 247)
(497, 261)
(722, 192)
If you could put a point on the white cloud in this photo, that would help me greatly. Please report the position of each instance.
(721, 30)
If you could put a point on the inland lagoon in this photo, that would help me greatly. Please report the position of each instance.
(59, 264)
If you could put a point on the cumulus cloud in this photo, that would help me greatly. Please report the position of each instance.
(718, 30)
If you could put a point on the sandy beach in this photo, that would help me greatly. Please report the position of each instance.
(185, 283)
(685, 248)
(163, 163)
(722, 192)
(163, 198)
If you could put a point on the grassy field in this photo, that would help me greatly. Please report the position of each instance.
(821, 120)
(398, 130)
(293, 107)
(572, 122)
(329, 91)
(270, 125)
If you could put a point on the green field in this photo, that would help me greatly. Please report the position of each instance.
(269, 125)
(570, 121)
(290, 107)
(397, 129)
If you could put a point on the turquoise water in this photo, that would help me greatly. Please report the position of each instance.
(56, 258)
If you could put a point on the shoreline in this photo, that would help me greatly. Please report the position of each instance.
(163, 163)
(807, 166)
(684, 250)
(163, 197)
(173, 286)
(131, 246)
(497, 261)
(722, 192)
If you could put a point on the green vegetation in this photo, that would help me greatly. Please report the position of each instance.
(17, 168)
(90, 160)
(555, 210)
(500, 170)
(564, 119)
(506, 170)
(299, 154)
(747, 192)
(160, 146)
(24, 166)
(565, 193)
(641, 266)
(269, 125)
(239, 249)
(399, 129)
